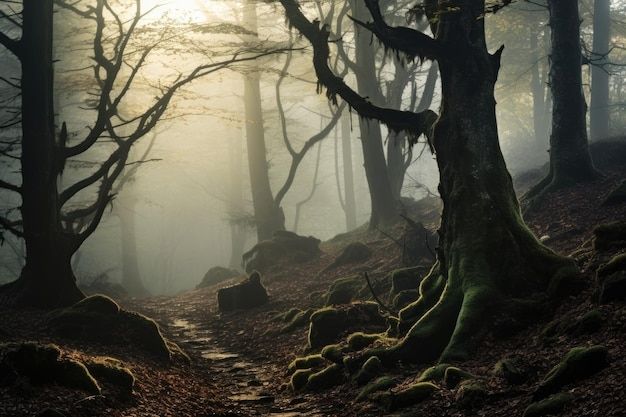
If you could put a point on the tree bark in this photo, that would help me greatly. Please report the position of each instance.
(538, 91)
(131, 276)
(268, 217)
(599, 110)
(237, 231)
(47, 279)
(348, 172)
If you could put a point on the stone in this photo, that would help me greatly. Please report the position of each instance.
(243, 296)
(283, 247)
(217, 275)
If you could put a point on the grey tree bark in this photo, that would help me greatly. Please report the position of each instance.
(599, 109)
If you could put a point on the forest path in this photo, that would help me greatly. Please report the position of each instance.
(247, 385)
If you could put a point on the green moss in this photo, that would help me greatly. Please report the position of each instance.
(434, 373)
(344, 290)
(327, 378)
(326, 326)
(359, 340)
(307, 362)
(73, 374)
(112, 371)
(300, 378)
(405, 279)
(471, 393)
(579, 363)
(412, 395)
(552, 405)
(300, 319)
(453, 376)
(333, 353)
(380, 384)
(370, 370)
(510, 369)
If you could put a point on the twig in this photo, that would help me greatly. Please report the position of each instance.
(378, 300)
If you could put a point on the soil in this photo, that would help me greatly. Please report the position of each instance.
(238, 361)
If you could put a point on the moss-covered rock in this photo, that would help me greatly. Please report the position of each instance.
(245, 295)
(344, 290)
(329, 324)
(360, 340)
(434, 373)
(453, 376)
(333, 353)
(301, 319)
(355, 252)
(608, 235)
(406, 279)
(553, 405)
(300, 378)
(100, 319)
(370, 370)
(112, 371)
(414, 394)
(404, 298)
(328, 377)
(579, 363)
(283, 247)
(217, 275)
(511, 370)
(588, 323)
(43, 364)
(380, 384)
(471, 394)
(307, 362)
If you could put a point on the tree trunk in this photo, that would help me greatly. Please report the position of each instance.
(131, 277)
(47, 279)
(237, 230)
(538, 91)
(384, 205)
(490, 265)
(348, 172)
(570, 160)
(599, 111)
(268, 217)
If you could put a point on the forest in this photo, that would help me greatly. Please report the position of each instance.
(312, 208)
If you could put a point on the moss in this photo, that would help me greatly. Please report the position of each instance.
(552, 405)
(307, 362)
(359, 340)
(471, 393)
(112, 371)
(405, 298)
(411, 395)
(370, 370)
(380, 384)
(333, 353)
(286, 316)
(579, 363)
(326, 378)
(344, 290)
(405, 279)
(511, 370)
(300, 319)
(617, 263)
(453, 376)
(300, 378)
(434, 373)
(73, 374)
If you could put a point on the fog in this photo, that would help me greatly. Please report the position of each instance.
(180, 198)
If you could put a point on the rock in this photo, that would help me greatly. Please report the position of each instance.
(613, 288)
(404, 298)
(100, 319)
(42, 364)
(333, 353)
(355, 252)
(360, 340)
(344, 290)
(471, 394)
(419, 244)
(407, 278)
(370, 370)
(243, 296)
(217, 275)
(608, 235)
(112, 371)
(329, 324)
(552, 405)
(617, 196)
(299, 320)
(579, 363)
(412, 395)
(327, 378)
(453, 376)
(511, 370)
(283, 247)
(300, 378)
(380, 384)
(434, 373)
(307, 362)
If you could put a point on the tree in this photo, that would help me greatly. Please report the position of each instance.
(489, 263)
(53, 225)
(570, 160)
(599, 110)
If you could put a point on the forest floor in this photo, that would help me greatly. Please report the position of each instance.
(238, 361)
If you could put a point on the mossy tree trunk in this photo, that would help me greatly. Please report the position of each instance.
(489, 263)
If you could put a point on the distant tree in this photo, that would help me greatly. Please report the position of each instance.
(52, 224)
(489, 263)
(599, 59)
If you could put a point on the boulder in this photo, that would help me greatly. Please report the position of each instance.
(372, 368)
(407, 279)
(328, 377)
(243, 296)
(471, 394)
(283, 247)
(329, 324)
(345, 290)
(217, 275)
(355, 252)
(511, 370)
